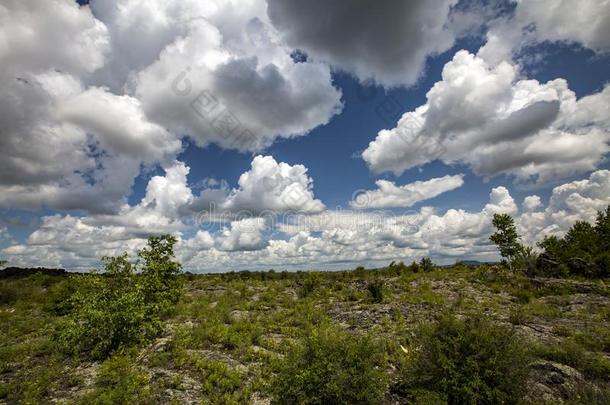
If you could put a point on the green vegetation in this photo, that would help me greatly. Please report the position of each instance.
(471, 361)
(122, 308)
(426, 264)
(585, 249)
(506, 237)
(330, 366)
(119, 381)
(375, 288)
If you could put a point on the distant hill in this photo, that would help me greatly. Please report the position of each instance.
(474, 262)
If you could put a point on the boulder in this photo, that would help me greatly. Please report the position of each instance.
(551, 382)
(548, 265)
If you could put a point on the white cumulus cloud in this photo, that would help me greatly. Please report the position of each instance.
(483, 116)
(389, 195)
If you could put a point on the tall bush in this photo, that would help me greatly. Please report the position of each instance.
(471, 361)
(331, 366)
(123, 306)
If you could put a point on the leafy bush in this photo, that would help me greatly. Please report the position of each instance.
(426, 264)
(8, 294)
(397, 269)
(376, 290)
(307, 285)
(414, 267)
(602, 262)
(525, 261)
(331, 366)
(469, 361)
(160, 285)
(122, 308)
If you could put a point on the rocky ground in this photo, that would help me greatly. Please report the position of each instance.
(221, 343)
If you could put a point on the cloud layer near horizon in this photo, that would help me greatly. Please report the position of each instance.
(301, 239)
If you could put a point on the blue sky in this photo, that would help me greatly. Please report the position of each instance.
(152, 169)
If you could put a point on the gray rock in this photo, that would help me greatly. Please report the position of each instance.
(551, 382)
(548, 265)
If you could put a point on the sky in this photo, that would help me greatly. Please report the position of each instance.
(298, 135)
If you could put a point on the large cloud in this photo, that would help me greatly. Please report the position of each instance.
(387, 41)
(35, 147)
(76, 119)
(229, 80)
(273, 186)
(36, 35)
(119, 124)
(586, 23)
(66, 148)
(483, 116)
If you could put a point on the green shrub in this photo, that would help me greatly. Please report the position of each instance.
(602, 262)
(58, 296)
(426, 264)
(376, 290)
(307, 285)
(160, 283)
(331, 366)
(525, 261)
(121, 308)
(469, 361)
(414, 267)
(8, 294)
(397, 269)
(585, 242)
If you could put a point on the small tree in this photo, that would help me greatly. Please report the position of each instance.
(161, 286)
(123, 307)
(426, 264)
(464, 361)
(506, 237)
(3, 263)
(602, 228)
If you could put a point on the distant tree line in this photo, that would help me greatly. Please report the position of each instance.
(583, 251)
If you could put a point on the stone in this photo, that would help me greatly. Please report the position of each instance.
(548, 265)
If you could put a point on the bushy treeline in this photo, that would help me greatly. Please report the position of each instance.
(585, 248)
(123, 306)
(583, 251)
